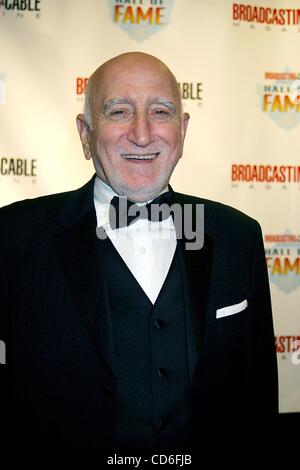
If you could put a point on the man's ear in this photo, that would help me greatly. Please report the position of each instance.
(84, 134)
(185, 121)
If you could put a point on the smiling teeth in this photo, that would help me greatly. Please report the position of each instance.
(151, 156)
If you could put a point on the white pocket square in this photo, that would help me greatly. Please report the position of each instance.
(231, 309)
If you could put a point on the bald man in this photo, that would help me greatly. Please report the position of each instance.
(121, 335)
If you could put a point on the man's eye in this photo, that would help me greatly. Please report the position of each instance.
(119, 114)
(160, 113)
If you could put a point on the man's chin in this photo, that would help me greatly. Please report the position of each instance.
(136, 197)
(142, 194)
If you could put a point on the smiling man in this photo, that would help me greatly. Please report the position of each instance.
(133, 127)
(132, 342)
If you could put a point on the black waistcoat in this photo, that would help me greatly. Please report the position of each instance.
(151, 358)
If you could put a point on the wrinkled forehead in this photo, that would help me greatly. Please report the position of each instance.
(139, 81)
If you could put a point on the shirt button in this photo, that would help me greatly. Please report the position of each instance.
(159, 323)
(143, 250)
(162, 373)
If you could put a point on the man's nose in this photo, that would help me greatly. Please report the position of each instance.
(141, 131)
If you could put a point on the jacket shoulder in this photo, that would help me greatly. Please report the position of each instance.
(43, 206)
(221, 218)
(216, 208)
(29, 208)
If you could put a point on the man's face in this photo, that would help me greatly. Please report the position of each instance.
(137, 130)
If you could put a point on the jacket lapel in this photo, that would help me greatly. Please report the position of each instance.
(77, 249)
(196, 273)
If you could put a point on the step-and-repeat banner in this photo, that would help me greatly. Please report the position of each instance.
(238, 69)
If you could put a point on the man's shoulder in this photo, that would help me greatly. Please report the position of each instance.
(218, 215)
(33, 207)
(214, 208)
(40, 207)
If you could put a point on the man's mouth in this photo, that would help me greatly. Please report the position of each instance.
(146, 156)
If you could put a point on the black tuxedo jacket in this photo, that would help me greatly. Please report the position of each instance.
(58, 385)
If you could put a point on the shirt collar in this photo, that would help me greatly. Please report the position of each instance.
(103, 194)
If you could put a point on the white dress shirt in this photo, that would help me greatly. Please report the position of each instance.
(146, 247)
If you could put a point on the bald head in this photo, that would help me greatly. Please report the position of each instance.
(128, 62)
(133, 127)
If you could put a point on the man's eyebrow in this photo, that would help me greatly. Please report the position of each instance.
(108, 104)
(172, 106)
(158, 100)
